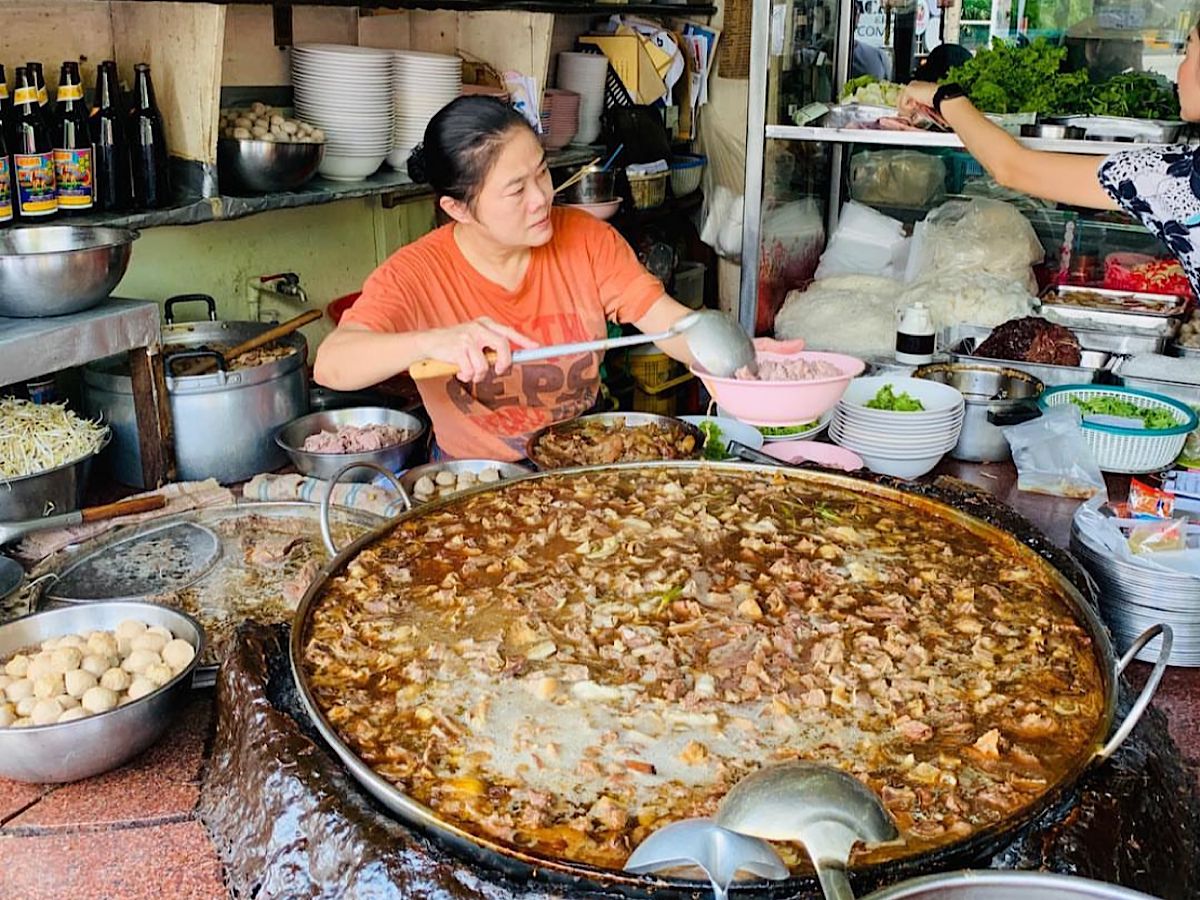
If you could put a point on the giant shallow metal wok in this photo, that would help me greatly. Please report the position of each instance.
(518, 863)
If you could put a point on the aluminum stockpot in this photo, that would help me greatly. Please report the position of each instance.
(224, 421)
(516, 862)
(73, 750)
(997, 885)
(54, 491)
(55, 270)
(992, 393)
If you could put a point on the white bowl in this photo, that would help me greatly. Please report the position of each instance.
(350, 168)
(900, 468)
(398, 158)
(924, 442)
(934, 397)
(319, 49)
(731, 429)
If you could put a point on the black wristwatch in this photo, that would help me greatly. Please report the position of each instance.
(946, 92)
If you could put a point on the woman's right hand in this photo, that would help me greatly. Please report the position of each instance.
(466, 346)
(916, 100)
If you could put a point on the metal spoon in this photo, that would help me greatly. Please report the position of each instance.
(818, 806)
(721, 853)
(715, 340)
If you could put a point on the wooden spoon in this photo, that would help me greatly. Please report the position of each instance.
(199, 367)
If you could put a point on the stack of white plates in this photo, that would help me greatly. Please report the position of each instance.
(347, 92)
(584, 73)
(902, 444)
(422, 83)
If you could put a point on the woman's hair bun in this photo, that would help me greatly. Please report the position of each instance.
(416, 164)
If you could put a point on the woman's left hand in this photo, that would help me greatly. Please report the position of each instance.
(916, 100)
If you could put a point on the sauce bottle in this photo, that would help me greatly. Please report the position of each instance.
(73, 157)
(114, 188)
(6, 192)
(33, 155)
(6, 107)
(148, 145)
(39, 81)
(914, 336)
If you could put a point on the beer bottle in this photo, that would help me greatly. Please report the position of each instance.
(114, 191)
(6, 198)
(148, 145)
(39, 81)
(73, 157)
(32, 154)
(6, 108)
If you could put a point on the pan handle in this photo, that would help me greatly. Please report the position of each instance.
(1143, 701)
(169, 305)
(326, 531)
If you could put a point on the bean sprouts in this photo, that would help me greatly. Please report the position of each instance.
(37, 437)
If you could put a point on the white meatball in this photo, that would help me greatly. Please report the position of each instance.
(96, 663)
(19, 690)
(72, 714)
(244, 122)
(258, 108)
(137, 661)
(158, 629)
(77, 641)
(65, 659)
(242, 134)
(49, 686)
(79, 682)
(178, 654)
(17, 666)
(46, 712)
(102, 643)
(131, 628)
(115, 680)
(66, 701)
(318, 135)
(444, 478)
(487, 476)
(424, 486)
(260, 131)
(277, 119)
(141, 687)
(149, 641)
(42, 664)
(26, 705)
(157, 674)
(5, 681)
(99, 699)
(8, 714)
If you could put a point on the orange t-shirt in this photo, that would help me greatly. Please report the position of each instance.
(585, 275)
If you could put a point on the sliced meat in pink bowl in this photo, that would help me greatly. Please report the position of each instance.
(823, 379)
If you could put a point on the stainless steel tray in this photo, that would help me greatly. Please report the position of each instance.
(854, 115)
(1150, 306)
(1177, 349)
(1116, 128)
(1092, 362)
(1075, 317)
(1120, 343)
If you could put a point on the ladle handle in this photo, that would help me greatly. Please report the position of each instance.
(326, 529)
(834, 883)
(130, 507)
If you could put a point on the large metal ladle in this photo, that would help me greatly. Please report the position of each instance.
(715, 340)
(818, 806)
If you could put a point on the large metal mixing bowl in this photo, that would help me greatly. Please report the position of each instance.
(266, 166)
(51, 492)
(60, 269)
(325, 465)
(86, 747)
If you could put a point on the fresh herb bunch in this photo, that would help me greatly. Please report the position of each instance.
(1155, 418)
(1011, 79)
(1137, 95)
(887, 398)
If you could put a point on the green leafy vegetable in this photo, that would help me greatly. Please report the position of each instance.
(714, 441)
(786, 430)
(870, 91)
(1137, 95)
(888, 399)
(1155, 419)
(854, 84)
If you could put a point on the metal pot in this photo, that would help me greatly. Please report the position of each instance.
(995, 885)
(995, 396)
(57, 490)
(517, 863)
(61, 269)
(224, 422)
(594, 187)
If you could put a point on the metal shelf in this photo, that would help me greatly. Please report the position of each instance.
(935, 139)
(559, 7)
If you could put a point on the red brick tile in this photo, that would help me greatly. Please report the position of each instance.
(174, 861)
(15, 796)
(161, 783)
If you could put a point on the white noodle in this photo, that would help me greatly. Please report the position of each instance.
(36, 437)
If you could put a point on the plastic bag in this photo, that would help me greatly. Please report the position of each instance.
(975, 236)
(1159, 535)
(1052, 456)
(897, 178)
(866, 243)
(792, 236)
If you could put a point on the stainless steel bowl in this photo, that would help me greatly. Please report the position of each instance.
(54, 491)
(60, 269)
(455, 466)
(325, 465)
(98, 743)
(1004, 885)
(1053, 132)
(628, 419)
(265, 166)
(594, 187)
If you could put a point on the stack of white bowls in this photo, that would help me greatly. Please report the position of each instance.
(901, 444)
(584, 73)
(422, 83)
(347, 92)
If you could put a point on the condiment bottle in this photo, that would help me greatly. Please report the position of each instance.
(6, 107)
(114, 188)
(148, 145)
(39, 82)
(33, 155)
(6, 185)
(914, 336)
(73, 157)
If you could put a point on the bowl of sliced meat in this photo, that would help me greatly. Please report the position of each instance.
(321, 443)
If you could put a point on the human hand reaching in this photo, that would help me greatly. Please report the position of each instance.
(466, 346)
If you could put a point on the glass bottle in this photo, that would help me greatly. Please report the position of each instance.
(6, 107)
(114, 189)
(6, 198)
(39, 81)
(32, 154)
(148, 145)
(73, 156)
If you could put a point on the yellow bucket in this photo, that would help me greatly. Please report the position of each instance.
(655, 377)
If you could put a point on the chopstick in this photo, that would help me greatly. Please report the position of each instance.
(576, 177)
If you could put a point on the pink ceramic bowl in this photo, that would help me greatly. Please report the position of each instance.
(830, 456)
(782, 402)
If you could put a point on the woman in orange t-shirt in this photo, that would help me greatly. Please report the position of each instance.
(510, 270)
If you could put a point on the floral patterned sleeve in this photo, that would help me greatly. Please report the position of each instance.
(1161, 187)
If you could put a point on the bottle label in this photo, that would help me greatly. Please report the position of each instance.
(43, 97)
(73, 176)
(6, 207)
(3, 90)
(25, 95)
(70, 92)
(36, 195)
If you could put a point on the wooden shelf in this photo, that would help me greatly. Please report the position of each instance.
(558, 7)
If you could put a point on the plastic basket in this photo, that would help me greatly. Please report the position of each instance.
(686, 172)
(648, 191)
(1129, 451)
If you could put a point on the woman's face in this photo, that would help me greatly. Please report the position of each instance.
(1188, 79)
(513, 205)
